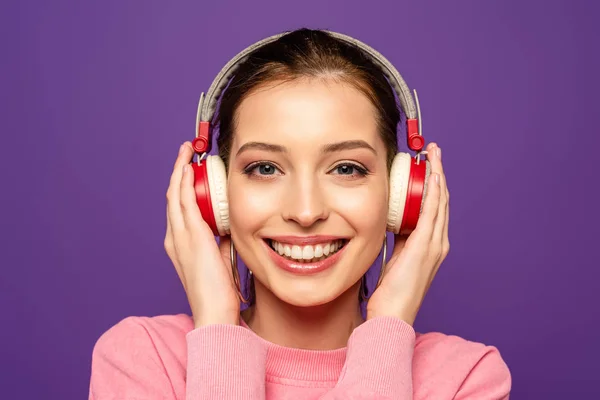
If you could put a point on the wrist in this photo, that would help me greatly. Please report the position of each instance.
(213, 318)
(207, 322)
(406, 318)
(404, 305)
(405, 313)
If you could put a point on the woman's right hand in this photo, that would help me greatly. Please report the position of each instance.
(203, 267)
(417, 257)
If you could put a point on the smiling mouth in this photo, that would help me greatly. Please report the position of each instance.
(307, 253)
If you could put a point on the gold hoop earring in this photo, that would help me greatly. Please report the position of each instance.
(363, 283)
(235, 272)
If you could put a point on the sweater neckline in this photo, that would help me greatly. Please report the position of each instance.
(301, 364)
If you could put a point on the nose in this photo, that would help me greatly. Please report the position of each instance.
(305, 203)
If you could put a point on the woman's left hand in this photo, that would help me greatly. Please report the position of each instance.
(416, 258)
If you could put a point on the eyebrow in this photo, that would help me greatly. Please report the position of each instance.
(348, 145)
(262, 146)
(329, 148)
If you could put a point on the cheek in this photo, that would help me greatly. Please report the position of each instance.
(364, 207)
(250, 205)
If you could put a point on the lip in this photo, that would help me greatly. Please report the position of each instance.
(306, 240)
(304, 268)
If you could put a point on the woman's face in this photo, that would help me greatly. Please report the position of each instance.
(307, 176)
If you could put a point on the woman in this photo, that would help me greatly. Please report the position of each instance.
(307, 132)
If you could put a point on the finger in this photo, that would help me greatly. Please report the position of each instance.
(173, 192)
(436, 164)
(444, 187)
(445, 238)
(170, 248)
(445, 233)
(172, 252)
(189, 205)
(434, 156)
(427, 219)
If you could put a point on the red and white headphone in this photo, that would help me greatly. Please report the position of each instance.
(408, 175)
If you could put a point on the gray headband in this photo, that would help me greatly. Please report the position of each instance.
(208, 104)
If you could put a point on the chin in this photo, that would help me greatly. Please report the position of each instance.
(305, 294)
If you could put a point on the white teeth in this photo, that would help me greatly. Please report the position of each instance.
(318, 251)
(307, 253)
(296, 252)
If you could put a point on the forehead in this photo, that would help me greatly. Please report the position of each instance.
(315, 111)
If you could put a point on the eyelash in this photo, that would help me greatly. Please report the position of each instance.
(251, 167)
(360, 170)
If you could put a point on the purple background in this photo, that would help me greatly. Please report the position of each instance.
(96, 99)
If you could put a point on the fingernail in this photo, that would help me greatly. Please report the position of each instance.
(181, 148)
(437, 178)
(438, 152)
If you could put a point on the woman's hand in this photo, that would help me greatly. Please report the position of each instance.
(203, 267)
(416, 259)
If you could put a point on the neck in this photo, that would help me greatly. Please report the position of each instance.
(323, 327)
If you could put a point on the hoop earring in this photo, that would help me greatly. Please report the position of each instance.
(363, 284)
(250, 286)
(235, 272)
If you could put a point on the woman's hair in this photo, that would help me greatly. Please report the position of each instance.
(307, 53)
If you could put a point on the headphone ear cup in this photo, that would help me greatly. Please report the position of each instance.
(210, 182)
(408, 188)
(217, 180)
(399, 177)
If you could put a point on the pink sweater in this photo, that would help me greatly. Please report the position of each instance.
(164, 357)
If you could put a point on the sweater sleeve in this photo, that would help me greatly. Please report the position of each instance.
(378, 363)
(125, 364)
(489, 378)
(223, 362)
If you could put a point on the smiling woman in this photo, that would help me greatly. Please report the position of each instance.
(329, 176)
(307, 182)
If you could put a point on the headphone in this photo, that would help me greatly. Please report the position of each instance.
(408, 175)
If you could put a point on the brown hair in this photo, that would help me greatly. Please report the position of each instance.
(307, 53)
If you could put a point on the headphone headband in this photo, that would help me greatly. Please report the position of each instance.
(207, 105)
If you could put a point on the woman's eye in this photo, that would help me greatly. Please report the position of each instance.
(345, 169)
(261, 169)
(266, 169)
(350, 170)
